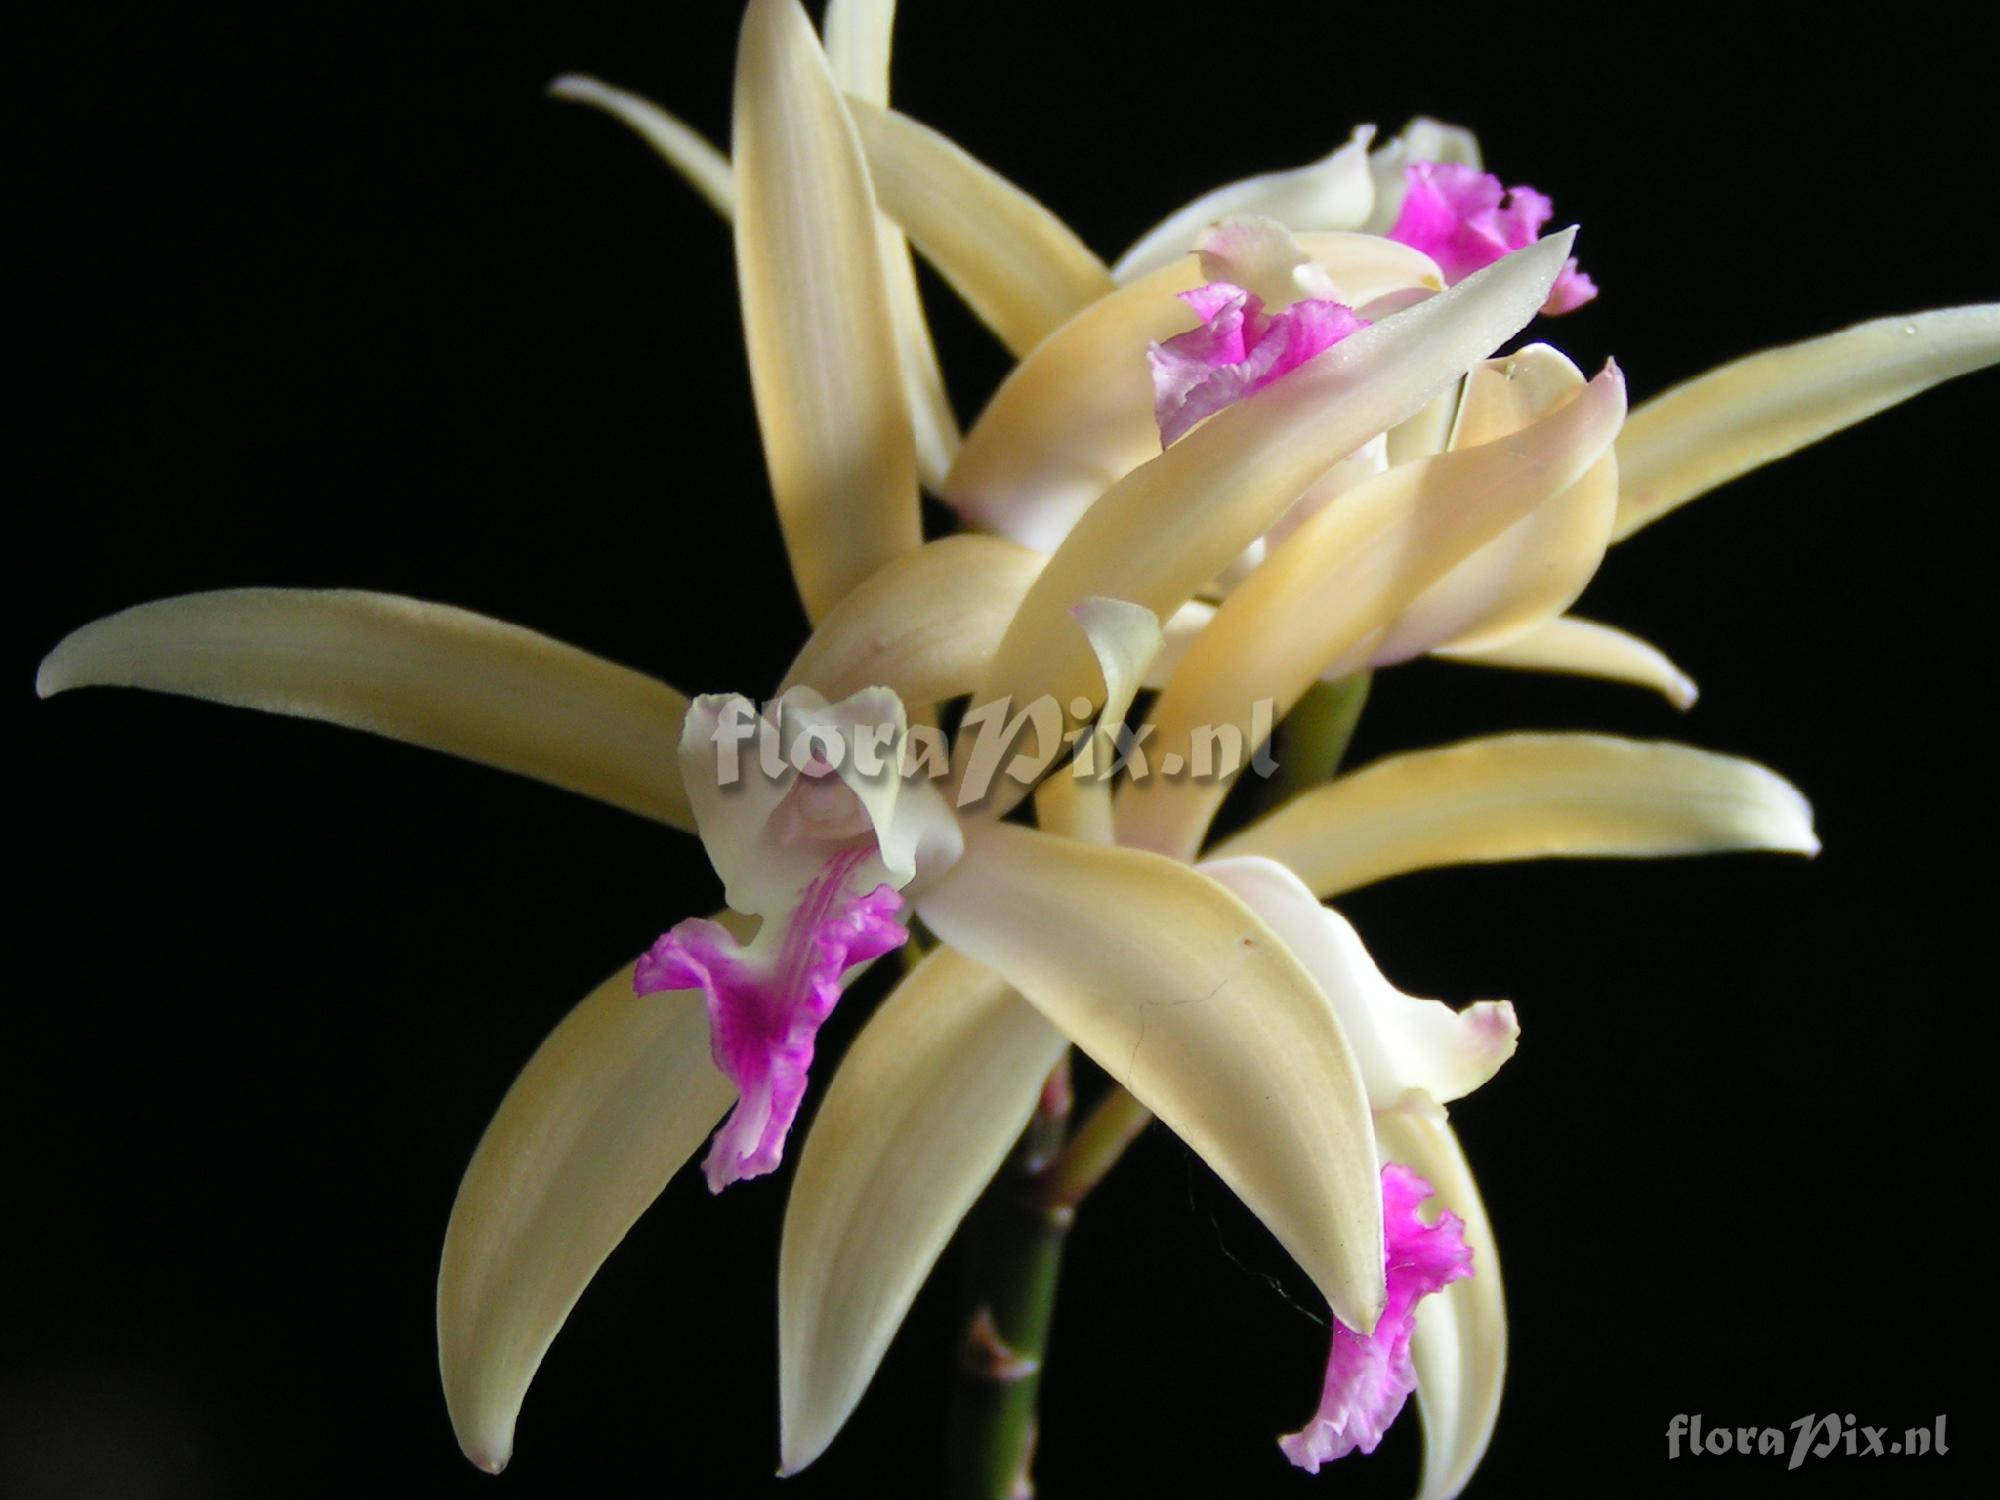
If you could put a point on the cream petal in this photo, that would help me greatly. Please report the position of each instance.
(1176, 637)
(428, 674)
(816, 315)
(1583, 648)
(608, 1109)
(1125, 639)
(685, 150)
(1183, 996)
(1460, 1344)
(1321, 603)
(1709, 430)
(1400, 1041)
(921, 1113)
(1335, 192)
(1537, 567)
(1528, 796)
(1018, 267)
(1428, 431)
(1076, 415)
(925, 626)
(857, 49)
(1172, 524)
(859, 38)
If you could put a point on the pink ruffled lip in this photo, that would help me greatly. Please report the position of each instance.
(1465, 220)
(1369, 1377)
(765, 1008)
(1237, 351)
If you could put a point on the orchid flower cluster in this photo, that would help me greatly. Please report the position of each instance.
(1267, 451)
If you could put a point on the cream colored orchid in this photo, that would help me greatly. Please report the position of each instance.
(1382, 486)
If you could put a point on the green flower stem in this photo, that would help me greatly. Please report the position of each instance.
(1314, 736)
(1014, 1236)
(1014, 1251)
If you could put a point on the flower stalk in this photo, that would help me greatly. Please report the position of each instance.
(1013, 1259)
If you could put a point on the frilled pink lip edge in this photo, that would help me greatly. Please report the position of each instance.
(1238, 350)
(765, 1011)
(1369, 1377)
(1465, 220)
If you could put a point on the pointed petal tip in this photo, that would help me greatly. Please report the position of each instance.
(578, 87)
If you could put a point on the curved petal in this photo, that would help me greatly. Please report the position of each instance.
(1528, 796)
(1537, 567)
(608, 1109)
(1335, 192)
(1321, 604)
(1583, 648)
(1460, 1344)
(1076, 415)
(685, 150)
(1183, 996)
(1171, 525)
(1706, 432)
(923, 1110)
(427, 674)
(1125, 638)
(816, 315)
(858, 34)
(1400, 1041)
(1018, 267)
(925, 626)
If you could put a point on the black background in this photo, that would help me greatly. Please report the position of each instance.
(332, 296)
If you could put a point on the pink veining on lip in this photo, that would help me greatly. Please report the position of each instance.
(764, 1012)
(1369, 1377)
(1238, 350)
(1465, 220)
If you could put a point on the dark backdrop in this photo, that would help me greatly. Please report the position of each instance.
(332, 296)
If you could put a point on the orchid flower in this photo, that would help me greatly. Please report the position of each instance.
(1262, 532)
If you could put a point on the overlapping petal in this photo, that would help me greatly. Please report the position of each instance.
(1325, 600)
(1193, 1004)
(1169, 526)
(1076, 415)
(816, 315)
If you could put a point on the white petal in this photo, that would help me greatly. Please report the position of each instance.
(816, 315)
(608, 1109)
(922, 1112)
(1335, 192)
(1729, 421)
(1583, 648)
(1460, 1344)
(1528, 796)
(427, 674)
(1183, 996)
(1401, 1042)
